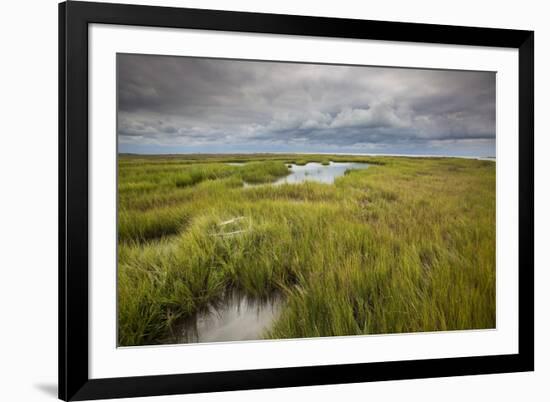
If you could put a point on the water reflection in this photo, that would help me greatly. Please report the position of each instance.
(236, 318)
(317, 172)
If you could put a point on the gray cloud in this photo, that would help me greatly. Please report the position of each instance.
(194, 102)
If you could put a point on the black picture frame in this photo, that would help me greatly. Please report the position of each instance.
(74, 18)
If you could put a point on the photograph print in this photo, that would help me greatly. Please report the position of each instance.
(261, 200)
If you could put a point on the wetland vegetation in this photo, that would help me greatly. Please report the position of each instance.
(404, 245)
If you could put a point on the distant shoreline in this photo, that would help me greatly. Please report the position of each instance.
(488, 158)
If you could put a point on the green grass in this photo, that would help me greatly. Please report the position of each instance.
(406, 245)
(263, 172)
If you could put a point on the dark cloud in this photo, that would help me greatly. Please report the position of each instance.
(178, 102)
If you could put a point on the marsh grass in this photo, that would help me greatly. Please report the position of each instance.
(263, 172)
(407, 245)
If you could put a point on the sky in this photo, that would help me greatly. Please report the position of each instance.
(170, 104)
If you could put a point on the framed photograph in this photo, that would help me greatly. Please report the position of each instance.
(257, 201)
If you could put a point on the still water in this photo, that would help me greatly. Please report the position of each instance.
(237, 318)
(314, 171)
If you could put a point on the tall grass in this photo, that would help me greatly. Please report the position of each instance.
(406, 245)
(263, 172)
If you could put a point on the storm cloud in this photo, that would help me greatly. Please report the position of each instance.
(170, 104)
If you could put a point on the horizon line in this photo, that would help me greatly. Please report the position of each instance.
(314, 153)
